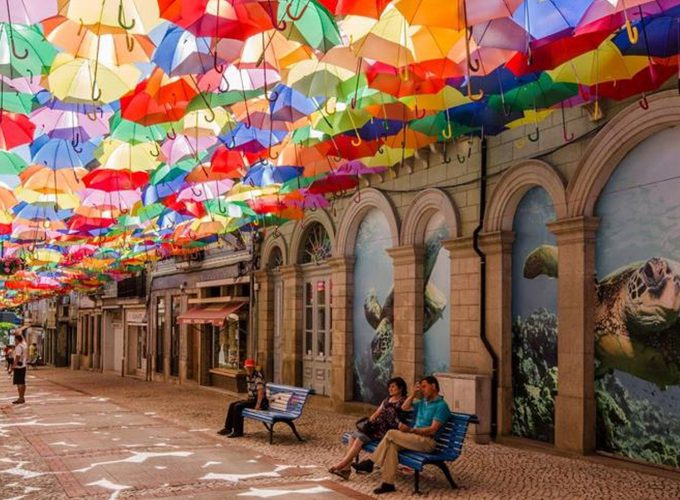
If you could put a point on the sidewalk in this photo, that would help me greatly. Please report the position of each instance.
(92, 435)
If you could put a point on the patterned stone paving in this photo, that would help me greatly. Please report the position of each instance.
(90, 435)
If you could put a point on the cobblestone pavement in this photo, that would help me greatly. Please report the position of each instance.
(70, 439)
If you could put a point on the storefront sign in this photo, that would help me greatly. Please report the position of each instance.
(135, 316)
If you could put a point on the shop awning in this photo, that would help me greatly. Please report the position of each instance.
(212, 314)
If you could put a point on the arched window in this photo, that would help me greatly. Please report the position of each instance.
(317, 247)
(275, 259)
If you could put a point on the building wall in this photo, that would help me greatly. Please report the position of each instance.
(572, 161)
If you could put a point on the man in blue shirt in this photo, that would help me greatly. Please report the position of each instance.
(432, 413)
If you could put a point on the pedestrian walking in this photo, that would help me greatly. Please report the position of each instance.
(19, 367)
(233, 424)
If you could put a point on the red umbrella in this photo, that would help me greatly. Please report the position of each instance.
(15, 130)
(190, 207)
(333, 184)
(387, 79)
(647, 80)
(158, 99)
(238, 19)
(228, 162)
(115, 180)
(366, 8)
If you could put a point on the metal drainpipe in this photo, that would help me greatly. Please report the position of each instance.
(482, 290)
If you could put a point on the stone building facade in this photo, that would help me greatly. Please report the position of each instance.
(572, 161)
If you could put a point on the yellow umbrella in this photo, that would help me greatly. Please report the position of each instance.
(199, 123)
(45, 180)
(530, 117)
(604, 64)
(119, 155)
(62, 200)
(272, 49)
(44, 256)
(84, 80)
(111, 46)
(448, 97)
(136, 16)
(388, 41)
(245, 192)
(387, 157)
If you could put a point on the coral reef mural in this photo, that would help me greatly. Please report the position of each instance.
(373, 310)
(534, 312)
(637, 335)
(437, 279)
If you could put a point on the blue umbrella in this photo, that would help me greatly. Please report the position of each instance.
(40, 212)
(60, 153)
(265, 174)
(658, 36)
(182, 53)
(542, 18)
(290, 105)
(252, 139)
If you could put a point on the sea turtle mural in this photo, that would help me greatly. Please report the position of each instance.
(381, 317)
(636, 319)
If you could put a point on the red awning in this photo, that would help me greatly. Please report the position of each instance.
(212, 314)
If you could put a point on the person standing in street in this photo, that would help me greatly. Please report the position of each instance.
(19, 367)
(233, 424)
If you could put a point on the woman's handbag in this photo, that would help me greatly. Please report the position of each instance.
(365, 426)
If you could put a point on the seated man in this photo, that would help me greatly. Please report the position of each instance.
(233, 425)
(432, 412)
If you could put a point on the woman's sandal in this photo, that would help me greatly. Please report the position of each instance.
(343, 473)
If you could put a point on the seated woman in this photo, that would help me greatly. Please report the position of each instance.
(384, 419)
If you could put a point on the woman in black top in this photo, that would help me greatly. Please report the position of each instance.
(383, 419)
(257, 399)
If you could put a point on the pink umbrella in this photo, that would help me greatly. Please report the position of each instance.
(27, 11)
(311, 201)
(185, 146)
(123, 200)
(62, 123)
(205, 191)
(356, 167)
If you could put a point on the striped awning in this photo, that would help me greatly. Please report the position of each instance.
(212, 314)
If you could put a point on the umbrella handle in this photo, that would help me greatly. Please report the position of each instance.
(447, 133)
(474, 66)
(272, 156)
(219, 87)
(328, 112)
(535, 136)
(14, 49)
(156, 152)
(121, 18)
(272, 97)
(353, 103)
(222, 210)
(567, 137)
(520, 143)
(446, 157)
(644, 103)
(633, 35)
(460, 158)
(277, 233)
(129, 42)
(357, 141)
(172, 136)
(216, 66)
(199, 194)
(96, 92)
(419, 115)
(474, 97)
(404, 74)
(299, 15)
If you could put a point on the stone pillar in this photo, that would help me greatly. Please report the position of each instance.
(291, 369)
(467, 352)
(342, 295)
(265, 321)
(498, 250)
(575, 402)
(183, 341)
(409, 311)
(96, 344)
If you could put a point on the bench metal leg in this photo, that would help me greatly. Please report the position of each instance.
(292, 427)
(447, 473)
(269, 428)
(416, 479)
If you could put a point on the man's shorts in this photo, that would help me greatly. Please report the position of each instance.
(19, 377)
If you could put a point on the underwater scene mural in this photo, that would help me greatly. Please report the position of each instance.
(373, 309)
(637, 334)
(534, 313)
(437, 279)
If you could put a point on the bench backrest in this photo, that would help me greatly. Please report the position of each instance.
(450, 439)
(287, 398)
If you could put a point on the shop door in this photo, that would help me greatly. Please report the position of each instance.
(174, 337)
(278, 329)
(316, 362)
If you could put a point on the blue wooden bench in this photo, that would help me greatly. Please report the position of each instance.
(449, 448)
(285, 405)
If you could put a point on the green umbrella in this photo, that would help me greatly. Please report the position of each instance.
(543, 93)
(310, 23)
(342, 121)
(24, 51)
(220, 99)
(134, 133)
(223, 208)
(150, 211)
(438, 125)
(308, 136)
(11, 163)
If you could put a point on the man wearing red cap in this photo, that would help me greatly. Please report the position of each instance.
(233, 425)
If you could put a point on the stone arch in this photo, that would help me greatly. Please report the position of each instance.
(273, 241)
(616, 139)
(299, 231)
(514, 184)
(354, 214)
(422, 208)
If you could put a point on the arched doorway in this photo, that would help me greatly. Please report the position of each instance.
(534, 318)
(637, 352)
(316, 341)
(372, 311)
